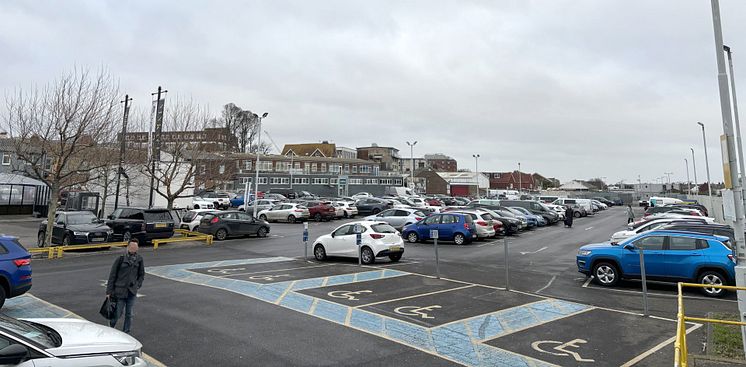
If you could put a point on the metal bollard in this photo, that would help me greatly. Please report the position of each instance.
(644, 284)
(507, 272)
(434, 236)
(359, 241)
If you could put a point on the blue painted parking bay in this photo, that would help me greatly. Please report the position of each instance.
(466, 323)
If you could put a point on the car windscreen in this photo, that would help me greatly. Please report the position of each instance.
(189, 216)
(81, 218)
(419, 213)
(157, 216)
(383, 228)
(32, 331)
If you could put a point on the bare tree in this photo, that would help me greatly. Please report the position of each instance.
(59, 131)
(180, 159)
(244, 124)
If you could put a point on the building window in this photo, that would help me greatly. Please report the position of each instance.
(356, 181)
(265, 166)
(285, 180)
(371, 181)
(365, 169)
(296, 165)
(262, 180)
(282, 166)
(333, 181)
(247, 164)
(296, 180)
(304, 181)
(320, 181)
(6, 159)
(354, 169)
(275, 180)
(221, 169)
(397, 182)
(376, 170)
(334, 168)
(307, 168)
(323, 167)
(347, 168)
(244, 180)
(313, 167)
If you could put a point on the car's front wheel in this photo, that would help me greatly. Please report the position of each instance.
(577, 214)
(2, 296)
(317, 217)
(319, 253)
(413, 237)
(291, 218)
(262, 232)
(263, 217)
(606, 274)
(710, 277)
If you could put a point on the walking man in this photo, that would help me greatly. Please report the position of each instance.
(630, 214)
(569, 216)
(125, 278)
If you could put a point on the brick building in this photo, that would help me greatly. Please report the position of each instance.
(215, 139)
(511, 180)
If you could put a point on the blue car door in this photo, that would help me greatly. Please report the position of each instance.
(431, 222)
(683, 255)
(446, 226)
(653, 250)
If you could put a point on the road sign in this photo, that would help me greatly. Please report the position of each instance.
(358, 228)
(305, 235)
(434, 234)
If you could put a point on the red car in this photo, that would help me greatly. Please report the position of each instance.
(433, 202)
(319, 210)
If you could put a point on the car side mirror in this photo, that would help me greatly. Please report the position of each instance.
(630, 247)
(332, 234)
(110, 217)
(13, 354)
(61, 223)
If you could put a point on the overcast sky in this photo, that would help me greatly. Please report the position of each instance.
(571, 89)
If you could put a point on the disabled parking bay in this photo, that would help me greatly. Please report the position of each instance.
(373, 291)
(597, 337)
(436, 309)
(230, 270)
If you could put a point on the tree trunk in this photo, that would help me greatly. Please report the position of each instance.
(53, 195)
(170, 203)
(102, 211)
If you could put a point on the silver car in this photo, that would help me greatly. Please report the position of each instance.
(285, 212)
(485, 228)
(262, 204)
(398, 217)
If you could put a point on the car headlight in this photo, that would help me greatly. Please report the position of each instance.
(127, 358)
(584, 252)
(80, 233)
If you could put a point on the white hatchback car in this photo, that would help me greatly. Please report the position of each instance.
(378, 239)
(65, 342)
(349, 210)
(190, 220)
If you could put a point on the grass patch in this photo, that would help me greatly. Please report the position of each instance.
(726, 339)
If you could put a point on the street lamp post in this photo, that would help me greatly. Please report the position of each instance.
(670, 189)
(520, 181)
(735, 115)
(694, 169)
(411, 156)
(476, 171)
(258, 153)
(707, 164)
(688, 183)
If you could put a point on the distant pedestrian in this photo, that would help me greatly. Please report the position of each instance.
(126, 277)
(630, 214)
(569, 216)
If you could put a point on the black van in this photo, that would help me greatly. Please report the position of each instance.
(534, 207)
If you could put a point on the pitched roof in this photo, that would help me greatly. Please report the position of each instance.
(311, 149)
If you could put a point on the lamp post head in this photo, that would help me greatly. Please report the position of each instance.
(265, 114)
(726, 48)
(701, 124)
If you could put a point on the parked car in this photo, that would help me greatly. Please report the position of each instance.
(669, 256)
(483, 228)
(529, 220)
(362, 195)
(200, 203)
(320, 210)
(606, 201)
(418, 202)
(599, 204)
(372, 206)
(559, 209)
(221, 200)
(540, 221)
(397, 218)
(66, 342)
(511, 224)
(702, 209)
(700, 227)
(261, 204)
(275, 196)
(305, 195)
(450, 226)
(75, 228)
(232, 223)
(15, 268)
(190, 220)
(350, 211)
(646, 226)
(285, 212)
(378, 239)
(618, 202)
(288, 193)
(433, 202)
(141, 223)
(536, 208)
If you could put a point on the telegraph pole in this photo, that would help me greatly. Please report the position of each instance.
(156, 140)
(730, 165)
(735, 114)
(126, 102)
(694, 169)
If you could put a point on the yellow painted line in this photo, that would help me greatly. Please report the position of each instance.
(285, 293)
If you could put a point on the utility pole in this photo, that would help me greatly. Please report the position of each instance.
(156, 140)
(668, 175)
(694, 169)
(476, 171)
(520, 181)
(688, 182)
(411, 156)
(707, 161)
(735, 115)
(126, 102)
(258, 151)
(731, 181)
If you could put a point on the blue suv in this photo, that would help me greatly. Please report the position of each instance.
(451, 226)
(669, 256)
(15, 268)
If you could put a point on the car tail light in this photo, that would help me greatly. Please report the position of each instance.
(694, 213)
(466, 226)
(214, 220)
(482, 223)
(418, 218)
(376, 236)
(22, 262)
(298, 211)
(646, 214)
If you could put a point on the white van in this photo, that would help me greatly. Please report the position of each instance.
(661, 201)
(583, 206)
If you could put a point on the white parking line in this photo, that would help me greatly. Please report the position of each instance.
(416, 295)
(585, 285)
(658, 347)
(666, 295)
(589, 228)
(548, 284)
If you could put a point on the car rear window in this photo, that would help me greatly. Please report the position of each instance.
(189, 216)
(383, 228)
(157, 216)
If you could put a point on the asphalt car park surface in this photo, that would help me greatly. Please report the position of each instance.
(256, 301)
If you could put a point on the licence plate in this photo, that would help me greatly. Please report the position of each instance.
(161, 225)
(395, 248)
(99, 239)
